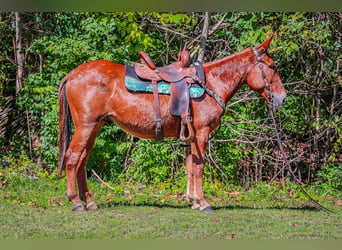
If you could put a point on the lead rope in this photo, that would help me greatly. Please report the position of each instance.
(280, 145)
(298, 182)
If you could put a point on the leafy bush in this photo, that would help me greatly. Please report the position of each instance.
(306, 48)
(20, 169)
(331, 178)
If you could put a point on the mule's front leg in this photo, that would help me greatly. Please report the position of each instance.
(198, 148)
(190, 184)
(195, 157)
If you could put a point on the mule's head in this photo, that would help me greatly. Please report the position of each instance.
(263, 76)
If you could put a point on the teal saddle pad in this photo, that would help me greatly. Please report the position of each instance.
(136, 84)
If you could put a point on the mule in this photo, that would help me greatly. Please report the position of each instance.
(95, 92)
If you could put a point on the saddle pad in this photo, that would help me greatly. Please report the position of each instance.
(136, 84)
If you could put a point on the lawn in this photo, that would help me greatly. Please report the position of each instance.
(151, 222)
(37, 209)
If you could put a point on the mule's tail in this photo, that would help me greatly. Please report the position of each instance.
(65, 124)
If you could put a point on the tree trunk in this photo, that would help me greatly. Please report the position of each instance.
(204, 37)
(19, 55)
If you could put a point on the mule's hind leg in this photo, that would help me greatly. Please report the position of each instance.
(81, 172)
(75, 159)
(83, 191)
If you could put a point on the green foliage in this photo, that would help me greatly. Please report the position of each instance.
(331, 178)
(7, 68)
(109, 152)
(152, 162)
(20, 170)
(25, 184)
(305, 47)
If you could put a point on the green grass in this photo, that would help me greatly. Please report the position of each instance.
(38, 209)
(151, 222)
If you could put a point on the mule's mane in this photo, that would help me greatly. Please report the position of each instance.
(231, 57)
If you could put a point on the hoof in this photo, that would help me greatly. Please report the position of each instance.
(91, 206)
(78, 208)
(195, 207)
(206, 209)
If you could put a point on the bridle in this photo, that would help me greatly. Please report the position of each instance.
(261, 67)
(280, 145)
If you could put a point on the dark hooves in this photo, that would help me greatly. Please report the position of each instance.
(91, 207)
(78, 208)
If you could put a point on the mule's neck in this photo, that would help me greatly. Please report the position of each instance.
(226, 76)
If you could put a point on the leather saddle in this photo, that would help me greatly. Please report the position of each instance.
(179, 75)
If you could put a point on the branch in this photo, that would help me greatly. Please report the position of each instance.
(218, 25)
(7, 57)
(104, 183)
(214, 28)
(165, 28)
(204, 37)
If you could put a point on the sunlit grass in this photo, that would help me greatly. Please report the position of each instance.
(38, 209)
(150, 222)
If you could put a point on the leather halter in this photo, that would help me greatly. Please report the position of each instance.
(261, 67)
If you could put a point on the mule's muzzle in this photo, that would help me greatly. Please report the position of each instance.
(278, 100)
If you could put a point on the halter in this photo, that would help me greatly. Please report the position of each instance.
(261, 67)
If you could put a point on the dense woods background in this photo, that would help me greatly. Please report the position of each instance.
(38, 49)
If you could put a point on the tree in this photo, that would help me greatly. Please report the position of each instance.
(19, 55)
(204, 37)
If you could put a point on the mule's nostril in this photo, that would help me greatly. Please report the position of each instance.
(284, 101)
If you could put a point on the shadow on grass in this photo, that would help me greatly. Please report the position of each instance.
(233, 207)
(215, 208)
(140, 204)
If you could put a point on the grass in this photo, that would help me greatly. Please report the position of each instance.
(150, 222)
(32, 208)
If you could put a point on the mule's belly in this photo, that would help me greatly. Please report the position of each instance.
(135, 113)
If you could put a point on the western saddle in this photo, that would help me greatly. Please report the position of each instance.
(179, 75)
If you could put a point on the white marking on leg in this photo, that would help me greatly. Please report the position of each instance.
(196, 206)
(188, 192)
(195, 194)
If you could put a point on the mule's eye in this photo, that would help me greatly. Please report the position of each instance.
(272, 67)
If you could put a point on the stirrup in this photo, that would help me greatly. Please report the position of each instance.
(186, 122)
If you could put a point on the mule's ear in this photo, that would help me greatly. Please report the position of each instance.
(262, 48)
